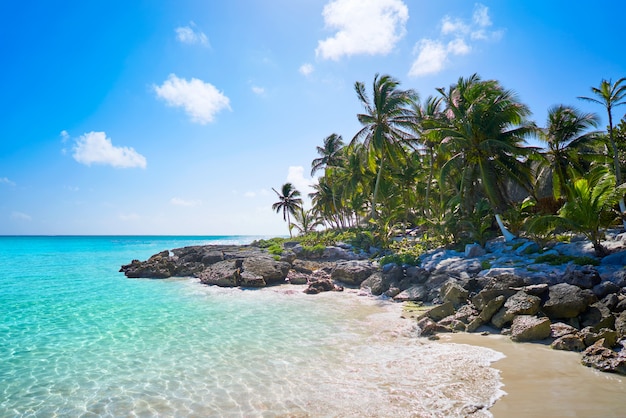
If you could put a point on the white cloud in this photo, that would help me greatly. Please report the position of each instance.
(20, 216)
(306, 69)
(258, 90)
(189, 35)
(65, 136)
(202, 101)
(177, 201)
(434, 55)
(5, 180)
(249, 194)
(96, 148)
(295, 176)
(369, 27)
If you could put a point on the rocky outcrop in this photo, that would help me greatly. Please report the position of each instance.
(353, 272)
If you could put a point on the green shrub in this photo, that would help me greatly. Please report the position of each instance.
(312, 251)
(275, 249)
(405, 258)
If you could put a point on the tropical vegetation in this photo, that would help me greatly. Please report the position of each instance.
(464, 165)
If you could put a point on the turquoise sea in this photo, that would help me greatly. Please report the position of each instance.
(77, 338)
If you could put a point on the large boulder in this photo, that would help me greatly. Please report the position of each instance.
(582, 276)
(323, 285)
(414, 293)
(522, 303)
(569, 342)
(620, 324)
(501, 285)
(270, 270)
(453, 292)
(353, 272)
(615, 259)
(530, 328)
(223, 273)
(567, 301)
(602, 358)
(159, 266)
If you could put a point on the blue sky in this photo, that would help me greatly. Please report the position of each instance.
(178, 117)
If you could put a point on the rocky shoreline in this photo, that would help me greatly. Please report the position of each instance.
(506, 287)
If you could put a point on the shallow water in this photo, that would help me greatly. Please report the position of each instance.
(79, 339)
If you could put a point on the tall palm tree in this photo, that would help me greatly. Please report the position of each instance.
(568, 138)
(289, 201)
(485, 131)
(611, 95)
(330, 154)
(386, 124)
(305, 220)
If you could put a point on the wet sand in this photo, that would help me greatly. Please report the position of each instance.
(542, 382)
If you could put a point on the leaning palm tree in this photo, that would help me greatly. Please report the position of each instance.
(305, 220)
(611, 95)
(386, 124)
(485, 131)
(330, 155)
(568, 141)
(289, 201)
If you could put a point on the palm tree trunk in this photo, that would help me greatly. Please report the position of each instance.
(622, 208)
(380, 172)
(618, 169)
(508, 236)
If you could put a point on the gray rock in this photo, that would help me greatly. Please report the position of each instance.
(567, 301)
(530, 328)
(522, 303)
(569, 342)
(376, 284)
(559, 329)
(590, 336)
(323, 285)
(597, 316)
(437, 313)
(451, 291)
(605, 288)
(585, 277)
(295, 277)
(270, 270)
(616, 259)
(248, 279)
(491, 308)
(353, 272)
(602, 358)
(413, 293)
(474, 250)
(417, 275)
(620, 324)
(502, 318)
(223, 273)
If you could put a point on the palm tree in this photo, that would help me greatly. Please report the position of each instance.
(589, 205)
(289, 201)
(611, 95)
(484, 131)
(568, 140)
(386, 124)
(330, 154)
(305, 220)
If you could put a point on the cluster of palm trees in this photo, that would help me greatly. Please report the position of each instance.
(458, 165)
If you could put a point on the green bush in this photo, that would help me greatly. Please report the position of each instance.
(275, 249)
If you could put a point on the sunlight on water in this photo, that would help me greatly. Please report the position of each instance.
(79, 339)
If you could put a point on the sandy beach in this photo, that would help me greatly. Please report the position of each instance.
(542, 382)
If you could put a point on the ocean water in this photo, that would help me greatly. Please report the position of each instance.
(78, 339)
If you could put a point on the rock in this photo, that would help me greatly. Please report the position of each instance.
(324, 285)
(522, 303)
(590, 336)
(528, 247)
(302, 266)
(427, 327)
(559, 329)
(439, 312)
(270, 270)
(604, 359)
(539, 290)
(338, 253)
(491, 308)
(159, 266)
(619, 278)
(567, 301)
(615, 259)
(605, 288)
(248, 279)
(569, 342)
(223, 273)
(392, 292)
(502, 318)
(474, 250)
(585, 277)
(416, 275)
(376, 284)
(620, 306)
(295, 277)
(501, 285)
(287, 256)
(353, 272)
(451, 291)
(597, 316)
(530, 328)
(413, 293)
(610, 301)
(620, 324)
